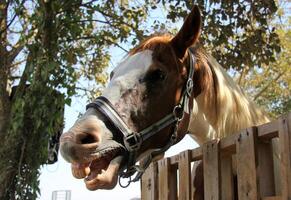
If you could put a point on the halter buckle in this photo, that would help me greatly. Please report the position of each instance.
(132, 142)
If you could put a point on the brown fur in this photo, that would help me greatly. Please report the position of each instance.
(203, 76)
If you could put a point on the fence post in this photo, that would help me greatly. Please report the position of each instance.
(226, 177)
(149, 183)
(211, 170)
(184, 167)
(247, 165)
(167, 180)
(285, 152)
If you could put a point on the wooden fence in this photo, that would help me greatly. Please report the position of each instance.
(255, 166)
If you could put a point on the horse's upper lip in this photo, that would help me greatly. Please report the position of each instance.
(102, 170)
(106, 152)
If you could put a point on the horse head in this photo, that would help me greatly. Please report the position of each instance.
(143, 111)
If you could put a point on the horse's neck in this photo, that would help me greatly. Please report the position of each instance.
(231, 111)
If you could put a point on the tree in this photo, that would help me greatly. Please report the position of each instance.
(269, 84)
(49, 48)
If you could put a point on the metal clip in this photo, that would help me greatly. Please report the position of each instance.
(127, 184)
(178, 112)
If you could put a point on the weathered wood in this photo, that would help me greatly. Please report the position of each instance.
(227, 144)
(268, 131)
(197, 180)
(266, 169)
(247, 165)
(253, 150)
(277, 166)
(167, 180)
(273, 198)
(211, 169)
(149, 183)
(226, 177)
(185, 176)
(196, 154)
(285, 150)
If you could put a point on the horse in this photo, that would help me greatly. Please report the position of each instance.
(166, 87)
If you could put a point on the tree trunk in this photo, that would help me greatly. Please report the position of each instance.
(7, 170)
(4, 71)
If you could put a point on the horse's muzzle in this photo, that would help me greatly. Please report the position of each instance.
(93, 153)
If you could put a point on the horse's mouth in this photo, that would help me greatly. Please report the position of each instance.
(101, 172)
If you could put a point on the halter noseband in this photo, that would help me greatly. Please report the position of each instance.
(133, 140)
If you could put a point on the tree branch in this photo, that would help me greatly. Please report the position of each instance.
(24, 77)
(20, 161)
(268, 85)
(90, 20)
(13, 18)
(14, 52)
(110, 42)
(14, 65)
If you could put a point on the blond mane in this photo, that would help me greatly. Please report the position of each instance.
(227, 111)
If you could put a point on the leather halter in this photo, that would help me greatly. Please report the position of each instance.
(133, 140)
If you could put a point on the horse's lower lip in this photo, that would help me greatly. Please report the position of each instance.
(101, 170)
(104, 177)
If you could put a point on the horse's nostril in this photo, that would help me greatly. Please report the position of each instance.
(88, 139)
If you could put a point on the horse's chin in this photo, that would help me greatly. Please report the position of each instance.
(100, 173)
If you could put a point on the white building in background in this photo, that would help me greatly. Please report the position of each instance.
(61, 195)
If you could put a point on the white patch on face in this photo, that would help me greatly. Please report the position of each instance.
(127, 74)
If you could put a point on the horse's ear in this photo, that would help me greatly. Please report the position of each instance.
(188, 34)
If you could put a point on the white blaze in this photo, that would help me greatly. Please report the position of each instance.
(126, 75)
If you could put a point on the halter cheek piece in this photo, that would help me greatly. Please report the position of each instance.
(133, 140)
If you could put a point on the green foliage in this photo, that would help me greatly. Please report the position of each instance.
(270, 84)
(237, 33)
(55, 46)
(60, 44)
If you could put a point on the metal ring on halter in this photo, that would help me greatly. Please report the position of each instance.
(189, 86)
(178, 112)
(124, 186)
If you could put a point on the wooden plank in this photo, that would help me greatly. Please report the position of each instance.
(285, 152)
(277, 165)
(211, 170)
(196, 154)
(185, 176)
(247, 165)
(149, 183)
(197, 180)
(226, 177)
(269, 130)
(227, 144)
(273, 198)
(167, 180)
(266, 169)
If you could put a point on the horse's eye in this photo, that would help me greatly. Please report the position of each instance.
(156, 75)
